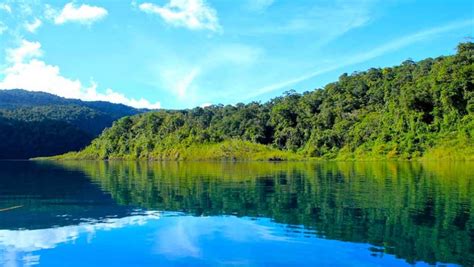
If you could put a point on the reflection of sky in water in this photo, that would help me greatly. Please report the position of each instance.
(17, 246)
(152, 239)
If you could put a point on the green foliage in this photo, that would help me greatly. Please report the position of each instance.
(39, 124)
(229, 150)
(86, 119)
(401, 112)
(22, 139)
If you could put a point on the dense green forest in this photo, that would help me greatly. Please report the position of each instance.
(416, 109)
(39, 124)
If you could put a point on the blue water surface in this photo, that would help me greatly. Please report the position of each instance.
(118, 214)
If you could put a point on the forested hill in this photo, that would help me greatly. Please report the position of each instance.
(416, 109)
(40, 124)
(18, 98)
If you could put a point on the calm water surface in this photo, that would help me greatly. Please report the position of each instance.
(245, 214)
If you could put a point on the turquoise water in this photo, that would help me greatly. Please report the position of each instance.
(244, 214)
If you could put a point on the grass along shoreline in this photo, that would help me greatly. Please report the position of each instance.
(238, 150)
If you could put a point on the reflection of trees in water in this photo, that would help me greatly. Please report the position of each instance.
(415, 211)
(49, 196)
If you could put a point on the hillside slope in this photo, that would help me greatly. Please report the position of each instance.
(416, 109)
(40, 124)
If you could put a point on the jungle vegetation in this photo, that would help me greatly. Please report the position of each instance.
(416, 109)
(39, 124)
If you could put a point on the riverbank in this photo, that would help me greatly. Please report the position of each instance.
(237, 150)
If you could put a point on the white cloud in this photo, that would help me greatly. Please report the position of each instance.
(33, 26)
(6, 8)
(259, 5)
(83, 14)
(363, 57)
(27, 72)
(3, 28)
(114, 97)
(27, 50)
(191, 14)
(49, 12)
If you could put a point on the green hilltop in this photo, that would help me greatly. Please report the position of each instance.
(34, 124)
(415, 110)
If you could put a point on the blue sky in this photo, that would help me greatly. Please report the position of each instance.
(186, 53)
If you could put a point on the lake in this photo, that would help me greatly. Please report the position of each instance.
(244, 214)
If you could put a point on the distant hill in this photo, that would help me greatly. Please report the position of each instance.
(40, 124)
(416, 109)
(17, 98)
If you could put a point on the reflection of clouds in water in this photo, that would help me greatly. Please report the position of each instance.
(181, 239)
(175, 237)
(13, 243)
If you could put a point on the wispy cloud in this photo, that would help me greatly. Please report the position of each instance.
(191, 14)
(3, 28)
(391, 46)
(179, 80)
(188, 80)
(259, 5)
(183, 84)
(5, 7)
(33, 26)
(315, 17)
(83, 14)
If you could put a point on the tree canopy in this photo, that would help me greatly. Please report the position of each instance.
(406, 111)
(39, 124)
